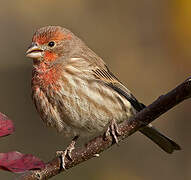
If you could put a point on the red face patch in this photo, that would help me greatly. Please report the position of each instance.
(50, 56)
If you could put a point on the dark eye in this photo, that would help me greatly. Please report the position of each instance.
(51, 43)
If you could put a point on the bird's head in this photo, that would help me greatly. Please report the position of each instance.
(50, 43)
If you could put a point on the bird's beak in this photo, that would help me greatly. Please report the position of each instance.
(34, 51)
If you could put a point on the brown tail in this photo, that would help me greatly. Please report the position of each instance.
(162, 141)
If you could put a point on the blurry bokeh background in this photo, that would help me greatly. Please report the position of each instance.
(145, 43)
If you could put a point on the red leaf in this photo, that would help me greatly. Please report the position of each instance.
(6, 125)
(17, 162)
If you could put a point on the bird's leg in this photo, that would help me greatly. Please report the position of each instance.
(67, 152)
(113, 131)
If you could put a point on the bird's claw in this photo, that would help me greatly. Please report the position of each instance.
(67, 153)
(113, 131)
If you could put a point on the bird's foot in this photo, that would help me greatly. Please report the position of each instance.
(113, 131)
(67, 153)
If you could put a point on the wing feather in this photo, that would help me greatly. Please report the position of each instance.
(111, 81)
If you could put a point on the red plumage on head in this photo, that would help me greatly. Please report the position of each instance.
(47, 34)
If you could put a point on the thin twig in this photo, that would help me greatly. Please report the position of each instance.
(100, 144)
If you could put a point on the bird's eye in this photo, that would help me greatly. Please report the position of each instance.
(51, 43)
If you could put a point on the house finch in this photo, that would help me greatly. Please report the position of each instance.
(75, 92)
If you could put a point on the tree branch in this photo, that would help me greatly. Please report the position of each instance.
(100, 144)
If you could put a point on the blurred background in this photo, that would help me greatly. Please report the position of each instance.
(145, 43)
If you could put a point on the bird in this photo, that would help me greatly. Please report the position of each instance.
(75, 92)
